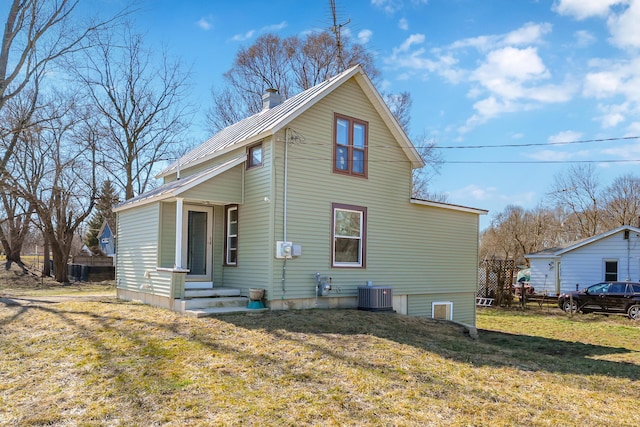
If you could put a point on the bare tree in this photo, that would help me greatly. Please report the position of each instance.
(578, 193)
(68, 197)
(289, 65)
(516, 231)
(36, 33)
(423, 176)
(622, 202)
(141, 107)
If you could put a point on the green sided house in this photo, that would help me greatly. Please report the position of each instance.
(308, 200)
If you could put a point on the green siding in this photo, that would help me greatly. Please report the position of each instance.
(253, 229)
(416, 249)
(427, 253)
(167, 234)
(224, 188)
(463, 306)
(137, 249)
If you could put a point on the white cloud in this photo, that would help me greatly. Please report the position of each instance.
(389, 6)
(625, 152)
(613, 114)
(601, 84)
(633, 129)
(204, 23)
(475, 191)
(624, 28)
(403, 24)
(554, 155)
(410, 41)
(584, 38)
(614, 78)
(266, 29)
(582, 9)
(392, 6)
(529, 33)
(510, 64)
(364, 36)
(565, 136)
(243, 37)
(274, 27)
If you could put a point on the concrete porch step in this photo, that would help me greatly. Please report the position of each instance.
(215, 302)
(215, 311)
(212, 292)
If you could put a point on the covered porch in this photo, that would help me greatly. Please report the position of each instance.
(181, 236)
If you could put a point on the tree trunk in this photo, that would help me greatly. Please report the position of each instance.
(46, 263)
(60, 265)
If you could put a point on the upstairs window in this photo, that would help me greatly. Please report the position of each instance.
(350, 146)
(255, 156)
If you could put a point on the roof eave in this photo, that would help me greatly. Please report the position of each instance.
(449, 206)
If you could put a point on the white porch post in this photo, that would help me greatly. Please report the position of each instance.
(178, 255)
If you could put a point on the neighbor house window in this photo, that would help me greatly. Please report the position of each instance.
(350, 146)
(349, 236)
(611, 271)
(231, 235)
(255, 156)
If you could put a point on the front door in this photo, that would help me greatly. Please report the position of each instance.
(197, 235)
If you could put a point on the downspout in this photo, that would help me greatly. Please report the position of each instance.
(286, 173)
(629, 258)
(284, 207)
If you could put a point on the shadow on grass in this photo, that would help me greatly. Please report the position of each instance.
(524, 352)
(497, 349)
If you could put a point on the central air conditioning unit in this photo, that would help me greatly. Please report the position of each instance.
(375, 298)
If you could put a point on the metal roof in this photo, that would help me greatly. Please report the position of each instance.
(269, 121)
(174, 188)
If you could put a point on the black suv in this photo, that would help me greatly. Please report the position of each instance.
(607, 297)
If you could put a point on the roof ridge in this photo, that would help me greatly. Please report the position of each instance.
(252, 126)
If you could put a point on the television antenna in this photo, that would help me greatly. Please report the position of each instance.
(336, 30)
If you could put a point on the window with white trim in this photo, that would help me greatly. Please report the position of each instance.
(231, 235)
(349, 227)
(610, 270)
(254, 156)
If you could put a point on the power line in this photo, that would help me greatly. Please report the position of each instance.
(528, 162)
(538, 144)
(543, 144)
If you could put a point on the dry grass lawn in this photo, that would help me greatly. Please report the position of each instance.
(112, 363)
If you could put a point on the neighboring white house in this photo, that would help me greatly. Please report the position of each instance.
(610, 256)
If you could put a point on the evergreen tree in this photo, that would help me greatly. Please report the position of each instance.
(107, 200)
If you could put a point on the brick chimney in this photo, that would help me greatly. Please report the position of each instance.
(271, 98)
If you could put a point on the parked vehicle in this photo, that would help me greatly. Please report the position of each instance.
(604, 297)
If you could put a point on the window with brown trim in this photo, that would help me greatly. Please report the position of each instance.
(350, 145)
(349, 235)
(231, 235)
(254, 156)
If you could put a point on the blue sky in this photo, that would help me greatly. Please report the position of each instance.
(513, 77)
